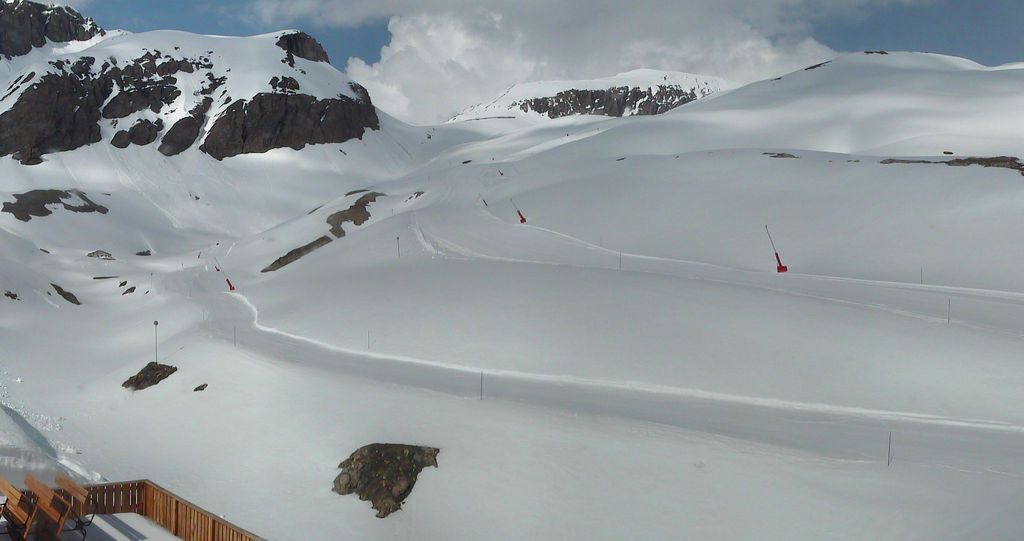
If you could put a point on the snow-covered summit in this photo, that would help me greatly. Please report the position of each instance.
(637, 92)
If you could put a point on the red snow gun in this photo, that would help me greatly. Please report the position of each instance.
(780, 268)
(522, 219)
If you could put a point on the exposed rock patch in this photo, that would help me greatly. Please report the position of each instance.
(11, 295)
(149, 376)
(184, 132)
(615, 102)
(779, 155)
(297, 253)
(26, 25)
(270, 121)
(286, 85)
(33, 203)
(128, 291)
(1003, 162)
(68, 296)
(357, 214)
(303, 45)
(60, 112)
(200, 388)
(384, 474)
(144, 253)
(142, 133)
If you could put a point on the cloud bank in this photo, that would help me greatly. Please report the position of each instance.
(445, 55)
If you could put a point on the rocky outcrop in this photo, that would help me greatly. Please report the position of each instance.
(298, 253)
(303, 45)
(270, 121)
(66, 295)
(142, 133)
(184, 132)
(357, 214)
(285, 85)
(614, 102)
(60, 112)
(150, 375)
(63, 106)
(384, 474)
(34, 203)
(26, 25)
(1002, 162)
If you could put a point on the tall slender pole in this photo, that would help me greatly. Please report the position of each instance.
(156, 356)
(398, 242)
(774, 249)
(949, 305)
(888, 456)
(481, 385)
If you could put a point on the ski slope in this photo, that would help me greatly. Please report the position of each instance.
(625, 364)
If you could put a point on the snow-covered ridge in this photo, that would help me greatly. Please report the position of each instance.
(178, 88)
(642, 91)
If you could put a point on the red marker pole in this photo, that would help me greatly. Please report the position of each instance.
(780, 268)
(522, 219)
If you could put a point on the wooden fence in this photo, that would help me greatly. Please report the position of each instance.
(174, 514)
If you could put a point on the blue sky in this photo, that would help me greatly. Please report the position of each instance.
(226, 17)
(986, 31)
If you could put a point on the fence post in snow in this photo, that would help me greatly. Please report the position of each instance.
(481, 385)
(888, 455)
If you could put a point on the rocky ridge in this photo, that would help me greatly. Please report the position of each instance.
(168, 95)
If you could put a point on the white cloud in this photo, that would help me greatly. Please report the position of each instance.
(447, 54)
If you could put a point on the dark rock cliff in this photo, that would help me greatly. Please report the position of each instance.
(26, 25)
(75, 100)
(269, 121)
(612, 102)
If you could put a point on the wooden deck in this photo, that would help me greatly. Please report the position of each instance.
(171, 512)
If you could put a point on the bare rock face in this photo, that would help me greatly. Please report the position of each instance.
(142, 133)
(34, 203)
(270, 121)
(149, 376)
(26, 25)
(303, 45)
(62, 106)
(59, 112)
(67, 295)
(384, 474)
(612, 102)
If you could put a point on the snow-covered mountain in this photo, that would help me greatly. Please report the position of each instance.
(637, 92)
(386, 290)
(70, 84)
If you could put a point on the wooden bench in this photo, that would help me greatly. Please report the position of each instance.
(18, 510)
(77, 498)
(52, 510)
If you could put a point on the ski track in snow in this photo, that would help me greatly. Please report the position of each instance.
(845, 432)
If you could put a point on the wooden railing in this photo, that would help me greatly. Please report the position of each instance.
(174, 514)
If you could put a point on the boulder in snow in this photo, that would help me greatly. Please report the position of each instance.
(384, 474)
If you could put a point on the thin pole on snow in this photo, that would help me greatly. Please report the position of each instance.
(888, 456)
